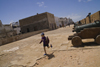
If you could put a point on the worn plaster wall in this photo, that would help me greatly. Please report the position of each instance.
(51, 20)
(18, 37)
(38, 22)
(93, 17)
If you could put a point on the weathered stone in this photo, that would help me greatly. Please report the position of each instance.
(38, 22)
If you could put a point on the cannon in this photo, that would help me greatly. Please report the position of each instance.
(79, 28)
(77, 24)
(87, 31)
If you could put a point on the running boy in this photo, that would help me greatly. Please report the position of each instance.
(45, 41)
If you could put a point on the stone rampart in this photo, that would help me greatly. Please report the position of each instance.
(19, 37)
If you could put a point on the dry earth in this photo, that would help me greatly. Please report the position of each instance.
(29, 53)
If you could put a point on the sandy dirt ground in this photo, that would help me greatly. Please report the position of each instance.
(29, 53)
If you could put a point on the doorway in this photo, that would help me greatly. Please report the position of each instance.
(35, 28)
(28, 30)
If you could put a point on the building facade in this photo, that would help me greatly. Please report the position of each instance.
(69, 21)
(38, 22)
(6, 30)
(57, 20)
(63, 21)
(16, 27)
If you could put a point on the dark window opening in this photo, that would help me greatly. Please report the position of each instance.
(35, 28)
(28, 30)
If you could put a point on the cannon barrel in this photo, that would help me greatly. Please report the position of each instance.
(90, 25)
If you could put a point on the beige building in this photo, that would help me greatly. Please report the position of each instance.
(8, 27)
(57, 20)
(16, 27)
(63, 21)
(38, 22)
(6, 30)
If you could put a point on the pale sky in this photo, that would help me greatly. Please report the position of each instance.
(14, 10)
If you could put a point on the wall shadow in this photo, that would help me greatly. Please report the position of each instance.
(88, 44)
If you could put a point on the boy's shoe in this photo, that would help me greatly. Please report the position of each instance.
(51, 45)
(45, 54)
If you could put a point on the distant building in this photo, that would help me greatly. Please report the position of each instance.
(6, 30)
(18, 30)
(38, 22)
(63, 21)
(69, 21)
(57, 20)
(15, 26)
(7, 27)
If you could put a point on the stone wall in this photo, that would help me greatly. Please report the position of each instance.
(40, 25)
(19, 37)
(51, 20)
(5, 33)
(87, 20)
(32, 19)
(38, 22)
(83, 21)
(8, 27)
(93, 17)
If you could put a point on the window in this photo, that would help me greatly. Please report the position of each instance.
(28, 30)
(35, 28)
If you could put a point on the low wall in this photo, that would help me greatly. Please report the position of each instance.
(93, 17)
(83, 21)
(19, 37)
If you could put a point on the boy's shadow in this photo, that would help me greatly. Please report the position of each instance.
(50, 56)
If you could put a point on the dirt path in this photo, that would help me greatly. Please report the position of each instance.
(29, 53)
(71, 58)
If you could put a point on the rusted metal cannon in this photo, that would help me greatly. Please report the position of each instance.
(87, 31)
